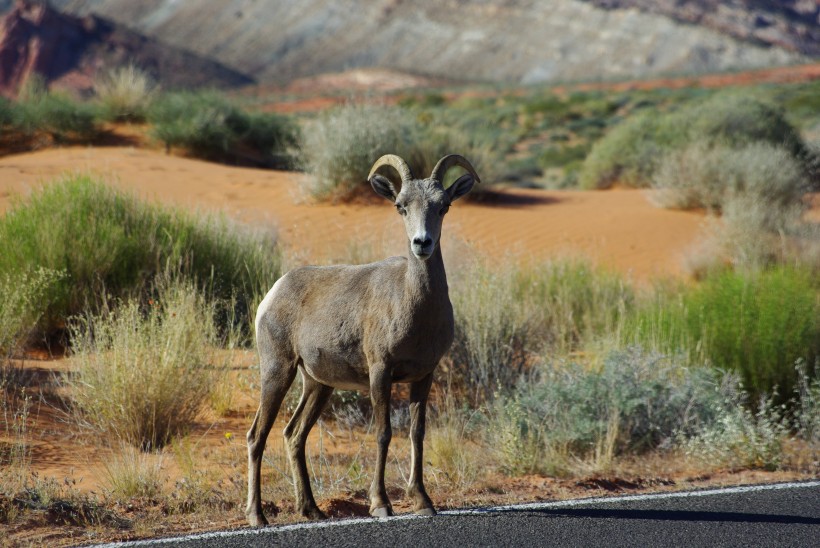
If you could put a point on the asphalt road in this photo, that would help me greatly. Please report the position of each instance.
(771, 515)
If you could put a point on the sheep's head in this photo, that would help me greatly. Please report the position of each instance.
(422, 203)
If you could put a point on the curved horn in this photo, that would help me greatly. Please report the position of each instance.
(394, 161)
(449, 161)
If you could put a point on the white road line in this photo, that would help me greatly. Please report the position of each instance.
(467, 511)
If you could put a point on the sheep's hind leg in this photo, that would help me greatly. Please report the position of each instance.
(418, 413)
(314, 398)
(277, 376)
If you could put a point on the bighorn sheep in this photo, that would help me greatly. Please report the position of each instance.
(360, 327)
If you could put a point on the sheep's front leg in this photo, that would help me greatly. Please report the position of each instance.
(418, 413)
(380, 397)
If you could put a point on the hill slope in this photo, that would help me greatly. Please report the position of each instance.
(510, 41)
(69, 51)
(790, 24)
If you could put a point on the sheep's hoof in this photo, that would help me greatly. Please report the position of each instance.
(381, 512)
(256, 519)
(314, 514)
(429, 511)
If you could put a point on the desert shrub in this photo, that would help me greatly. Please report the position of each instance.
(562, 155)
(707, 176)
(740, 437)
(493, 334)
(633, 402)
(759, 190)
(573, 302)
(142, 374)
(125, 93)
(39, 110)
(15, 451)
(7, 113)
(131, 474)
(807, 402)
(738, 119)
(754, 235)
(450, 447)
(209, 126)
(505, 317)
(341, 145)
(630, 153)
(110, 243)
(22, 305)
(754, 323)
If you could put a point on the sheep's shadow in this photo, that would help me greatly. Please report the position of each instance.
(499, 198)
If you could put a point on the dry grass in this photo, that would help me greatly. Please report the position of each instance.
(126, 93)
(142, 375)
(130, 473)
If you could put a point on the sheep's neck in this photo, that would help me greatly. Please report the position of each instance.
(426, 279)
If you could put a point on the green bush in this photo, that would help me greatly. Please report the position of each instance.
(22, 305)
(209, 126)
(737, 119)
(109, 243)
(757, 324)
(628, 154)
(65, 119)
(631, 152)
(561, 156)
(341, 145)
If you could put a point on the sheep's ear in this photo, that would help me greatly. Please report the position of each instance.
(383, 187)
(460, 187)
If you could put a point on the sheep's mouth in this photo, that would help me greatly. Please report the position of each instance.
(422, 252)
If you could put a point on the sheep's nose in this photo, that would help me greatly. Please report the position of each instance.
(427, 242)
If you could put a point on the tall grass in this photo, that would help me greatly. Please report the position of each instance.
(142, 375)
(505, 318)
(210, 126)
(109, 243)
(756, 324)
(341, 145)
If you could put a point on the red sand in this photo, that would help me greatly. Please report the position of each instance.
(619, 228)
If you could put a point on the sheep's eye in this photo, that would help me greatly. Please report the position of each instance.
(400, 209)
(444, 210)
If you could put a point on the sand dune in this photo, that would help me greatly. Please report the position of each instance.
(618, 228)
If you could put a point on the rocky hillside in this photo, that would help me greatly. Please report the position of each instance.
(790, 24)
(490, 40)
(68, 51)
